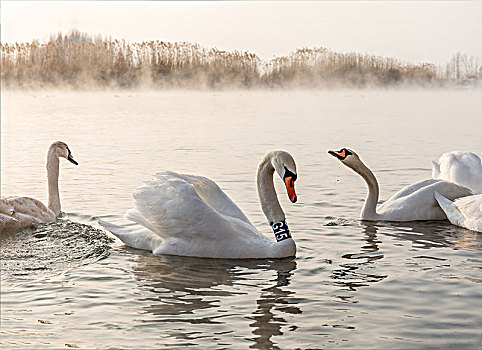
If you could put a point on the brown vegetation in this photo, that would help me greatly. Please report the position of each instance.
(80, 61)
(321, 67)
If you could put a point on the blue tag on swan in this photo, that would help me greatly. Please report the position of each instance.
(281, 231)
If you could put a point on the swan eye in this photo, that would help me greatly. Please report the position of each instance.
(289, 173)
(347, 152)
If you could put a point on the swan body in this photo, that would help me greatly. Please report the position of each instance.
(17, 213)
(187, 215)
(462, 168)
(465, 212)
(412, 203)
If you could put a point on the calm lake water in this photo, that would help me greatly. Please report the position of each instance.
(352, 285)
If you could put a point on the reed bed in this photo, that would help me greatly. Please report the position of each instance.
(80, 61)
(322, 67)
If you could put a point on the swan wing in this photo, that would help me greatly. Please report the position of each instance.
(210, 193)
(421, 204)
(171, 207)
(465, 212)
(470, 206)
(463, 168)
(136, 236)
(453, 213)
(406, 191)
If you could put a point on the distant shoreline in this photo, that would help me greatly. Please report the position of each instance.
(78, 61)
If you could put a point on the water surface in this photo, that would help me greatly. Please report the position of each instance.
(352, 285)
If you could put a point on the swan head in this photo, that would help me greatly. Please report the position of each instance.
(60, 149)
(285, 166)
(347, 157)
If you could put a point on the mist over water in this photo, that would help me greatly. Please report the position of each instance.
(352, 284)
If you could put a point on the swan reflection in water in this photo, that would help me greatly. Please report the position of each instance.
(179, 287)
(354, 274)
(267, 321)
(362, 269)
(433, 234)
(196, 291)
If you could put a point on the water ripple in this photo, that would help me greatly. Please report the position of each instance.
(50, 248)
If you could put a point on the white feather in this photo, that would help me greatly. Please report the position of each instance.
(191, 216)
(435, 170)
(462, 168)
(418, 203)
(412, 203)
(465, 212)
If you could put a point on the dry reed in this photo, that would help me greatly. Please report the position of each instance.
(80, 61)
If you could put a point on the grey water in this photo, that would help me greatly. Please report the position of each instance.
(352, 284)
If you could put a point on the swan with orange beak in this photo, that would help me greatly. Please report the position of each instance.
(180, 214)
(414, 202)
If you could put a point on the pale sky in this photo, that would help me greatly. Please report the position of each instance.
(415, 31)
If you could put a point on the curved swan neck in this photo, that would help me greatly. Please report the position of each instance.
(53, 182)
(267, 193)
(369, 210)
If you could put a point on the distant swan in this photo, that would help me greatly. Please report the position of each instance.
(17, 213)
(462, 168)
(188, 215)
(465, 212)
(415, 202)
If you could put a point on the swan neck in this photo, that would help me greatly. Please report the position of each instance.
(267, 193)
(370, 206)
(53, 182)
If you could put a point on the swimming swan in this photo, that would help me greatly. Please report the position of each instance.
(415, 202)
(462, 168)
(17, 213)
(188, 215)
(465, 212)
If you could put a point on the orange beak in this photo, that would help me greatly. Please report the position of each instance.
(338, 154)
(290, 187)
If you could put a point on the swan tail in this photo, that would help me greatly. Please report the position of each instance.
(135, 216)
(138, 238)
(450, 209)
(435, 170)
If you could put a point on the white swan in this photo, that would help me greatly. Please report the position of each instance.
(462, 168)
(415, 202)
(20, 212)
(188, 215)
(465, 212)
